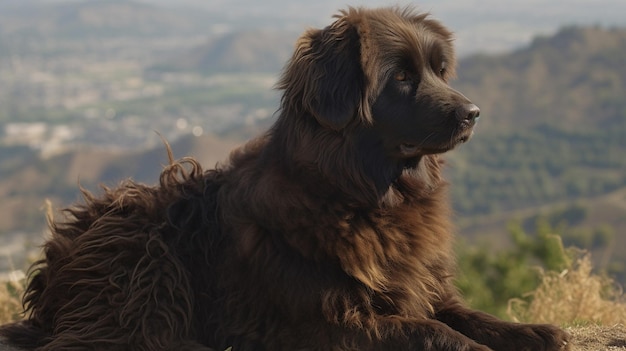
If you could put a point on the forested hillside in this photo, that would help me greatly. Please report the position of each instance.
(551, 143)
(553, 123)
(573, 80)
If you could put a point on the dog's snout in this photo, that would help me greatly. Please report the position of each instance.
(468, 112)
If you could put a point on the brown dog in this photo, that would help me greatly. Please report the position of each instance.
(330, 232)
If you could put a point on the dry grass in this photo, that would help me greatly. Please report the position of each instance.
(573, 297)
(10, 297)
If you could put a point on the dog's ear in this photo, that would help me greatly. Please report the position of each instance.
(324, 77)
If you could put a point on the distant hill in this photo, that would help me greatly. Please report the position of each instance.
(574, 80)
(553, 123)
(85, 19)
(551, 138)
(243, 51)
(27, 180)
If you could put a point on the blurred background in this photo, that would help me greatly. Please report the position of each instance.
(85, 86)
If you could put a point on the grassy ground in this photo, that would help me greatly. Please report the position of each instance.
(10, 300)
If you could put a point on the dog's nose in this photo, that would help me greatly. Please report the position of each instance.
(468, 112)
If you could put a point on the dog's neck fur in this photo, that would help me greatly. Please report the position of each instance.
(345, 162)
(289, 182)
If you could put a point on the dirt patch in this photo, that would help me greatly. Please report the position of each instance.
(595, 338)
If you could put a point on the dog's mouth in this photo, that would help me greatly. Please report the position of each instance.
(465, 136)
(460, 136)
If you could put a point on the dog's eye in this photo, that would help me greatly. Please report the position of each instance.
(401, 76)
(442, 69)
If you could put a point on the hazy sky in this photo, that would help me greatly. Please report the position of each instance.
(479, 25)
(492, 25)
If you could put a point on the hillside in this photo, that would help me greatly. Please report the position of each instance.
(553, 125)
(573, 80)
(27, 180)
(550, 143)
(244, 51)
(36, 20)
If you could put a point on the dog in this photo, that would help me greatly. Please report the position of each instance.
(331, 231)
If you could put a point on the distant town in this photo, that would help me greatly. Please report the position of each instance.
(50, 106)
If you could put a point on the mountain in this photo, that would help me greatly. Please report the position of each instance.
(573, 80)
(553, 122)
(27, 180)
(551, 141)
(101, 19)
(263, 50)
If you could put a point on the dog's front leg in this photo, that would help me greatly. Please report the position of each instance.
(421, 335)
(435, 336)
(500, 335)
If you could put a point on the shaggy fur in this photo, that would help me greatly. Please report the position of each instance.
(329, 232)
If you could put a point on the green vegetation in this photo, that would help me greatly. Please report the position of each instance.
(538, 165)
(489, 278)
(566, 219)
(538, 280)
(551, 141)
(553, 125)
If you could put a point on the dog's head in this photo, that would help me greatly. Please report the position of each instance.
(376, 79)
(385, 70)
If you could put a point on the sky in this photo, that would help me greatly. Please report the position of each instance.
(479, 25)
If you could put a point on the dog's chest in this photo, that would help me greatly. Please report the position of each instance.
(405, 253)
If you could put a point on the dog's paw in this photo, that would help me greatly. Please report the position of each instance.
(473, 346)
(556, 338)
(545, 337)
(479, 347)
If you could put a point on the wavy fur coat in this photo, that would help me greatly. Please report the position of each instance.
(329, 232)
